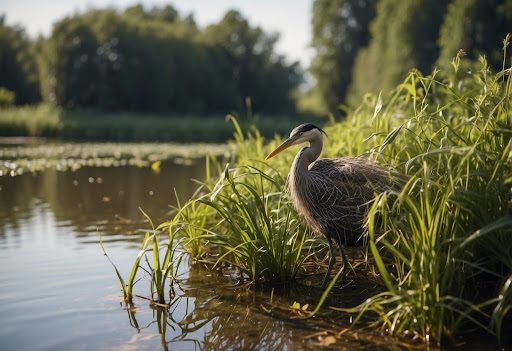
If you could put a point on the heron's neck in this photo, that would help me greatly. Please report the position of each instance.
(307, 156)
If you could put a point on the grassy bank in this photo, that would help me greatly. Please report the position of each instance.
(442, 253)
(53, 122)
(440, 257)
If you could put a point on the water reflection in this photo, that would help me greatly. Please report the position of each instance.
(97, 199)
(211, 314)
(57, 291)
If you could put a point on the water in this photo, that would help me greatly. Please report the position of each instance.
(58, 291)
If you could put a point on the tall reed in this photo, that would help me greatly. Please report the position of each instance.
(447, 235)
(163, 272)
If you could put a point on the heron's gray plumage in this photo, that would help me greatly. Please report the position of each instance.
(334, 194)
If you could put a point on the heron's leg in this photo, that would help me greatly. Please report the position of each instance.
(345, 264)
(332, 259)
(344, 261)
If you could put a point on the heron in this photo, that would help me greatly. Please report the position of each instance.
(333, 194)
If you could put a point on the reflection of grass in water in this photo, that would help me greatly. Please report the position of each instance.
(214, 314)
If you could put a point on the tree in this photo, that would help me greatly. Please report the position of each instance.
(404, 36)
(477, 27)
(340, 29)
(69, 71)
(18, 69)
(254, 68)
(156, 60)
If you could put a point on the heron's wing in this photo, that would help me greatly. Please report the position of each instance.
(353, 170)
(342, 189)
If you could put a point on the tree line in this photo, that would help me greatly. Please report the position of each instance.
(368, 46)
(158, 60)
(152, 60)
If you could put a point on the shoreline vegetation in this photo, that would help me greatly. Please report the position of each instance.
(47, 121)
(437, 267)
(441, 258)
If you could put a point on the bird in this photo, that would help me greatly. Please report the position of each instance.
(334, 194)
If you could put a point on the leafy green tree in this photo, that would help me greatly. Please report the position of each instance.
(69, 68)
(157, 60)
(477, 27)
(340, 29)
(18, 69)
(252, 65)
(404, 36)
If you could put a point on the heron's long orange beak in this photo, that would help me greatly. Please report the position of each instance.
(285, 145)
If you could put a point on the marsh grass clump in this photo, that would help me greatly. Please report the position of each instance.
(443, 250)
(245, 220)
(260, 233)
(163, 268)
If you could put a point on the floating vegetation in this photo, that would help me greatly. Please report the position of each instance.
(16, 160)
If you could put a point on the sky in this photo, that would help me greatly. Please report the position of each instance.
(290, 18)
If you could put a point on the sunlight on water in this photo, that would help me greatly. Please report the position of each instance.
(57, 289)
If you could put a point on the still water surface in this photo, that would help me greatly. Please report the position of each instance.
(58, 291)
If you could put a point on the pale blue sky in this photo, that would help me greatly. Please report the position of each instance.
(291, 18)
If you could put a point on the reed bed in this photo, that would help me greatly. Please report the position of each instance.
(442, 248)
(52, 122)
(245, 220)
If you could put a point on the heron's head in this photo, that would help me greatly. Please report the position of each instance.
(306, 132)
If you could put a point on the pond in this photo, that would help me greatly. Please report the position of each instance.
(58, 291)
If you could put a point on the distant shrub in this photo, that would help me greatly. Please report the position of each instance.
(7, 97)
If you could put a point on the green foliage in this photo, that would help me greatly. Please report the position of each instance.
(127, 287)
(18, 70)
(475, 26)
(404, 35)
(45, 120)
(155, 60)
(163, 272)
(340, 29)
(448, 233)
(249, 65)
(7, 97)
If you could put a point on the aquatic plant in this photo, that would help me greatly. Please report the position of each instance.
(243, 218)
(163, 272)
(448, 232)
(127, 286)
(18, 159)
